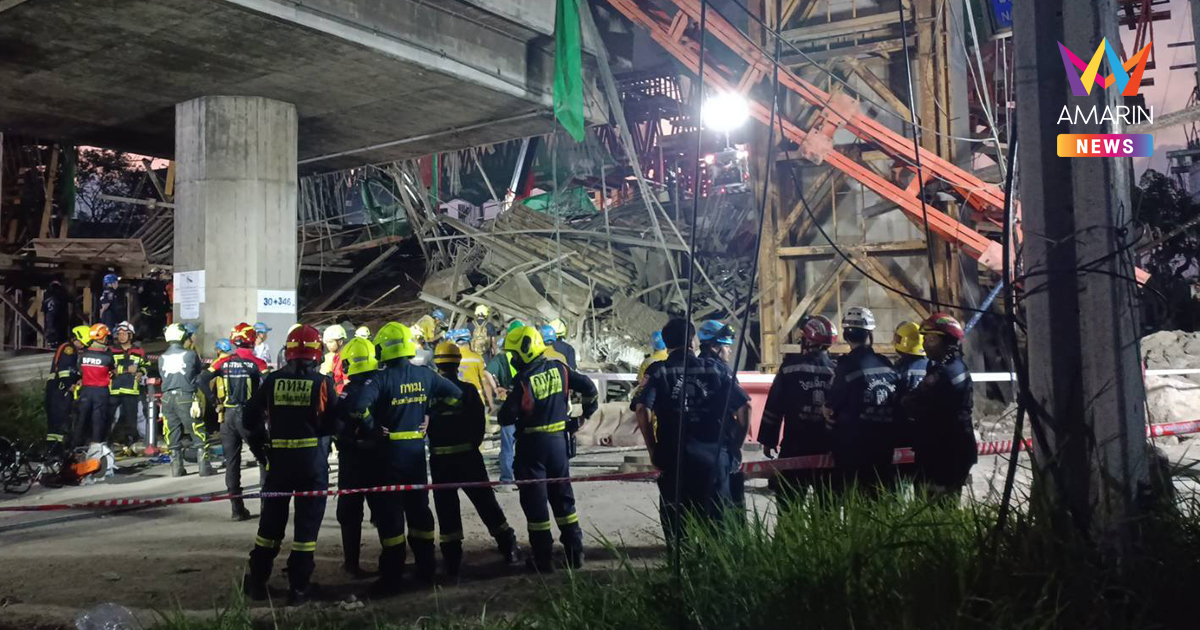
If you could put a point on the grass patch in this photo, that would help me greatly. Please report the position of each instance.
(24, 416)
(889, 564)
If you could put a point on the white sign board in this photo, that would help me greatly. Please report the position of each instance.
(271, 301)
(189, 310)
(189, 287)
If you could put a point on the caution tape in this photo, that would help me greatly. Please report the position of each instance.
(764, 468)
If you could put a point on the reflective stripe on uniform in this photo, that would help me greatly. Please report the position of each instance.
(447, 537)
(546, 428)
(267, 542)
(297, 443)
(54, 437)
(406, 435)
(394, 541)
(808, 369)
(568, 519)
(539, 526)
(960, 378)
(499, 529)
(304, 546)
(450, 450)
(420, 534)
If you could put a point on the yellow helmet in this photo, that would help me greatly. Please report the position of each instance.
(525, 343)
(908, 339)
(395, 341)
(447, 353)
(82, 334)
(482, 311)
(559, 326)
(360, 355)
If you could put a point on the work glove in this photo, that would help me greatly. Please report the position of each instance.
(196, 411)
(770, 452)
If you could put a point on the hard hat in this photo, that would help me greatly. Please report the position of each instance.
(859, 317)
(224, 346)
(656, 341)
(908, 340)
(715, 331)
(175, 332)
(360, 355)
(438, 314)
(482, 311)
(362, 332)
(110, 279)
(293, 327)
(243, 335)
(819, 331)
(447, 353)
(559, 326)
(82, 334)
(943, 324)
(303, 343)
(513, 325)
(334, 333)
(417, 333)
(98, 332)
(525, 343)
(549, 335)
(126, 326)
(395, 341)
(261, 328)
(190, 328)
(460, 335)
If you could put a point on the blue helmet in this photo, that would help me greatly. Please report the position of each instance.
(438, 314)
(459, 335)
(656, 341)
(110, 279)
(261, 328)
(190, 328)
(714, 331)
(224, 346)
(548, 333)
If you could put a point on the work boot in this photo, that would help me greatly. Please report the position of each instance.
(542, 560)
(509, 549)
(254, 589)
(574, 558)
(452, 555)
(355, 572)
(206, 469)
(300, 597)
(426, 564)
(239, 511)
(177, 469)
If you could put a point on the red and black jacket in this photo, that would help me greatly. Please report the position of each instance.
(96, 366)
(242, 371)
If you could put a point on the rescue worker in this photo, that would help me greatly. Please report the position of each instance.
(548, 338)
(471, 368)
(910, 365)
(126, 387)
(423, 354)
(334, 338)
(96, 369)
(793, 407)
(560, 342)
(60, 387)
(112, 302)
(455, 435)
(262, 349)
(859, 406)
(354, 448)
(179, 366)
(391, 407)
(538, 405)
(483, 333)
(691, 456)
(279, 357)
(716, 342)
(942, 406)
(241, 374)
(154, 302)
(658, 352)
(431, 327)
(503, 371)
(285, 420)
(55, 305)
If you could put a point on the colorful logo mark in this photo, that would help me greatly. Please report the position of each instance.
(1127, 82)
(1105, 145)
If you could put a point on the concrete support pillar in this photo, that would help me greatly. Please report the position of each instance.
(235, 210)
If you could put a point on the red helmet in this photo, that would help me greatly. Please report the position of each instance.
(943, 324)
(303, 343)
(243, 335)
(819, 331)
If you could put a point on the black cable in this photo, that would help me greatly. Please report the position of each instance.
(912, 108)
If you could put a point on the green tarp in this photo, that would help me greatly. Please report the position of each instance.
(568, 69)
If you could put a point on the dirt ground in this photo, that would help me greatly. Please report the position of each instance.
(53, 565)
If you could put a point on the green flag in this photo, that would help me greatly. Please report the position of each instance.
(568, 69)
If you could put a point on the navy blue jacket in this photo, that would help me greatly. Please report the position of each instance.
(942, 406)
(862, 396)
(794, 406)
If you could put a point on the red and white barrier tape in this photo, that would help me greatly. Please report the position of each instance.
(764, 468)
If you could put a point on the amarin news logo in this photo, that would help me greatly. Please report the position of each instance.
(1128, 79)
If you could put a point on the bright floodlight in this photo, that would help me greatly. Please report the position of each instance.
(725, 112)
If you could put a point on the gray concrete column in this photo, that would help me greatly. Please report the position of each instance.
(235, 208)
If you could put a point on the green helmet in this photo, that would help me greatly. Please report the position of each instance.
(360, 356)
(395, 341)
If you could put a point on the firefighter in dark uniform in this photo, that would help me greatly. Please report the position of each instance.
(179, 366)
(455, 434)
(716, 342)
(942, 405)
(538, 406)
(241, 374)
(96, 369)
(692, 456)
(391, 407)
(860, 408)
(794, 405)
(126, 386)
(285, 420)
(56, 305)
(353, 450)
(60, 387)
(910, 366)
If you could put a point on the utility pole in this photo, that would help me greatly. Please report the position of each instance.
(1083, 335)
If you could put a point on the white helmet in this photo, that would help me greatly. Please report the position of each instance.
(334, 333)
(859, 317)
(362, 332)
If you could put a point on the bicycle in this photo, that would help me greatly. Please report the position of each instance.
(20, 468)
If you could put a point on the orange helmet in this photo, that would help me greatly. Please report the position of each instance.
(98, 332)
(303, 343)
(243, 335)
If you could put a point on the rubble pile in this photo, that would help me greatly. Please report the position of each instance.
(1172, 398)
